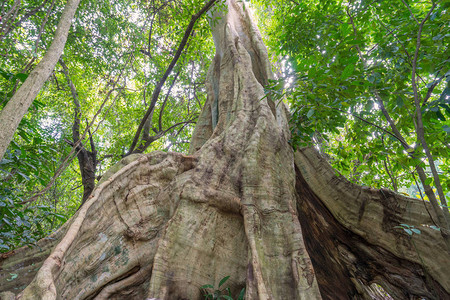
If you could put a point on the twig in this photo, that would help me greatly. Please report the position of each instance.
(410, 12)
(165, 100)
(42, 27)
(400, 139)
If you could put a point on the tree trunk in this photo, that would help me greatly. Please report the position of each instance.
(18, 105)
(87, 160)
(162, 225)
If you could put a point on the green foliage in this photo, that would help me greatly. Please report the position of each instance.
(337, 55)
(24, 224)
(216, 294)
(25, 167)
(409, 229)
(117, 48)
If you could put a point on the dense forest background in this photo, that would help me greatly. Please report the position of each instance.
(367, 82)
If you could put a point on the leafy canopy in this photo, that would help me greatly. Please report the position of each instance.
(338, 55)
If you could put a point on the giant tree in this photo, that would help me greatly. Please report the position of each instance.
(281, 224)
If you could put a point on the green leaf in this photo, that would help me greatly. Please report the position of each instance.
(223, 280)
(345, 29)
(355, 42)
(440, 116)
(5, 161)
(228, 291)
(207, 286)
(310, 113)
(408, 231)
(7, 75)
(415, 230)
(21, 76)
(399, 101)
(445, 94)
(241, 294)
(13, 276)
(348, 71)
(23, 175)
(60, 217)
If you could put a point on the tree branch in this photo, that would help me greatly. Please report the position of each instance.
(24, 18)
(410, 12)
(160, 84)
(420, 129)
(70, 156)
(165, 100)
(443, 216)
(76, 103)
(431, 88)
(148, 140)
(11, 14)
(386, 167)
(42, 27)
(368, 122)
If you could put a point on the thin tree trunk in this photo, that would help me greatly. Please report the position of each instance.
(87, 160)
(18, 105)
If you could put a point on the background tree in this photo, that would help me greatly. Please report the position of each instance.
(110, 66)
(14, 110)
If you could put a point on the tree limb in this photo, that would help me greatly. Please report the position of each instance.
(70, 156)
(160, 84)
(165, 101)
(420, 129)
(24, 18)
(410, 12)
(42, 27)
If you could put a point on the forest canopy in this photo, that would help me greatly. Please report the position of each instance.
(367, 83)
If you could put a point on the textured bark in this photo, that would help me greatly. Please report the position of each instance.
(351, 236)
(161, 225)
(18, 105)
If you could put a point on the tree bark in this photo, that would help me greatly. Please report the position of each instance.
(18, 105)
(352, 232)
(243, 205)
(87, 160)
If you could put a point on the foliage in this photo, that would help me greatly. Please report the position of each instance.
(338, 57)
(29, 164)
(225, 293)
(115, 53)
